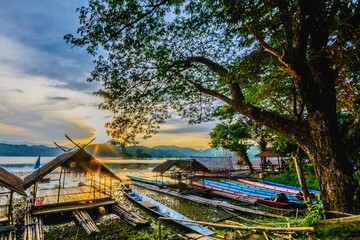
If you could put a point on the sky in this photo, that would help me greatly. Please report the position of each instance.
(43, 89)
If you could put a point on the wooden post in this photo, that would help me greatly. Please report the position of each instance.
(58, 200)
(94, 185)
(110, 186)
(34, 192)
(64, 179)
(10, 217)
(159, 228)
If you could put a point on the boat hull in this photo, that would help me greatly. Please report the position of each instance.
(163, 211)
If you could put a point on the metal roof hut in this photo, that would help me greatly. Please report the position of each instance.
(269, 153)
(95, 189)
(9, 184)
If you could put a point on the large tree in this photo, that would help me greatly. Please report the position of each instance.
(159, 55)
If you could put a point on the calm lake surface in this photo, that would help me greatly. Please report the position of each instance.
(23, 166)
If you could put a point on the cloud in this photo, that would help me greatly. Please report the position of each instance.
(43, 89)
(59, 98)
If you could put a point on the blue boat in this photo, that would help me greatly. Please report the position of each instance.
(254, 192)
(290, 186)
(259, 189)
(164, 211)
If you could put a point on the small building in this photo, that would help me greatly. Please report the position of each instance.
(197, 166)
(9, 184)
(269, 158)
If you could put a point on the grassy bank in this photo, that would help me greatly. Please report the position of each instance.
(290, 177)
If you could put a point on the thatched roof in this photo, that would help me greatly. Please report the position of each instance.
(74, 161)
(11, 182)
(268, 153)
(203, 164)
(216, 163)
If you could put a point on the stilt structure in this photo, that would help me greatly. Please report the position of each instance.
(9, 185)
(72, 182)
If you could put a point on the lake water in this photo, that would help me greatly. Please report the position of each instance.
(23, 166)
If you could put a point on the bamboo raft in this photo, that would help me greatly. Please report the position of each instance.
(86, 221)
(131, 217)
(206, 201)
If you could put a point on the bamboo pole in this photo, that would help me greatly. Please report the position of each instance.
(159, 228)
(58, 200)
(269, 229)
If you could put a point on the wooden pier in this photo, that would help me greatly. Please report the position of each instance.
(86, 221)
(206, 201)
(131, 217)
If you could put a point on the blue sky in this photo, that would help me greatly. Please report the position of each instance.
(43, 88)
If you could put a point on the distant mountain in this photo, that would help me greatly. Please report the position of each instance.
(104, 150)
(109, 150)
(29, 151)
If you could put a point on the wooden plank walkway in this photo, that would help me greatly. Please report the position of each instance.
(206, 201)
(67, 195)
(131, 217)
(86, 221)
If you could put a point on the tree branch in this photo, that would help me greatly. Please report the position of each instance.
(210, 64)
(154, 7)
(210, 92)
(285, 66)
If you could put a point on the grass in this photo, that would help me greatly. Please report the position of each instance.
(290, 177)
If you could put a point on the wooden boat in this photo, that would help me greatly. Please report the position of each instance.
(258, 199)
(258, 191)
(149, 181)
(164, 211)
(289, 186)
(268, 186)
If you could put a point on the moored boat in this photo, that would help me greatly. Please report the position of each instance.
(289, 186)
(149, 181)
(160, 209)
(264, 200)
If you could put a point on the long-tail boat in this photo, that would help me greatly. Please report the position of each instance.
(160, 209)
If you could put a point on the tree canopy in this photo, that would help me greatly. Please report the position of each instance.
(258, 57)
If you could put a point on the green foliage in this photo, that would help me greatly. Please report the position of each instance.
(315, 213)
(231, 136)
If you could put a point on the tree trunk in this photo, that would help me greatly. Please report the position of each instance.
(262, 147)
(244, 159)
(335, 173)
(338, 185)
(301, 177)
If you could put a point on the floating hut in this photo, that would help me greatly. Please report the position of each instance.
(9, 184)
(72, 182)
(197, 166)
(74, 177)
